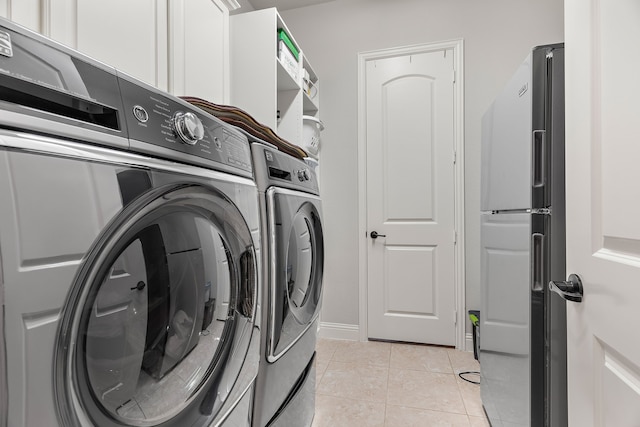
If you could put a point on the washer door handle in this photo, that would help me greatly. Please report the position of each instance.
(139, 286)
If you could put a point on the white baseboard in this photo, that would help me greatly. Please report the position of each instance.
(339, 331)
(468, 342)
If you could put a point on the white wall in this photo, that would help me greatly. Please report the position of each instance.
(497, 35)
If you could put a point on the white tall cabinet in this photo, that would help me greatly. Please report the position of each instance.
(180, 46)
(260, 84)
(199, 49)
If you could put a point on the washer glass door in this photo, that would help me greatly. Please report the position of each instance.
(154, 310)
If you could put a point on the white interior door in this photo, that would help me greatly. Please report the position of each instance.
(410, 197)
(603, 210)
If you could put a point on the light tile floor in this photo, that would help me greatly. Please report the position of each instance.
(381, 384)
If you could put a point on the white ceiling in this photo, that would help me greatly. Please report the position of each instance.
(285, 4)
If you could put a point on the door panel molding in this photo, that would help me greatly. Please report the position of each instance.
(457, 45)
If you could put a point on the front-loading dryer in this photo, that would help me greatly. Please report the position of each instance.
(293, 261)
(129, 250)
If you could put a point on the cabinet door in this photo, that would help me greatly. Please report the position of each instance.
(26, 12)
(131, 36)
(199, 49)
(128, 35)
(48, 17)
(175, 45)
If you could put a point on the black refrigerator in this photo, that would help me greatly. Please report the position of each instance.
(523, 323)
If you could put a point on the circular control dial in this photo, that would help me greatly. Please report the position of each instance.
(188, 127)
(303, 175)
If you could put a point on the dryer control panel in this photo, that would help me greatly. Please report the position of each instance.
(274, 168)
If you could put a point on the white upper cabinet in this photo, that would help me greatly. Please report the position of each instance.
(25, 12)
(271, 86)
(181, 46)
(128, 35)
(199, 49)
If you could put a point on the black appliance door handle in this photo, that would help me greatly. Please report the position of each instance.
(375, 235)
(540, 158)
(571, 289)
(537, 241)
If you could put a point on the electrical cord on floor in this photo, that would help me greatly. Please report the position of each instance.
(469, 373)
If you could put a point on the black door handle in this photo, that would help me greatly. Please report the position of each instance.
(375, 235)
(571, 290)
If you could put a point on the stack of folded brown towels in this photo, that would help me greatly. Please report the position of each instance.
(241, 119)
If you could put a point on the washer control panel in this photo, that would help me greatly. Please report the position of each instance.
(176, 128)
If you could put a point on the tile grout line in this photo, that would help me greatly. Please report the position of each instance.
(386, 395)
(461, 385)
(455, 378)
(418, 408)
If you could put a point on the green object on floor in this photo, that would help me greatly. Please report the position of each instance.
(474, 318)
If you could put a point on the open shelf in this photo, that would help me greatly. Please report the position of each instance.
(285, 80)
(260, 82)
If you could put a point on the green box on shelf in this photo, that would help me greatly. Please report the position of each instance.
(282, 35)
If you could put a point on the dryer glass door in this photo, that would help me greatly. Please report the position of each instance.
(297, 260)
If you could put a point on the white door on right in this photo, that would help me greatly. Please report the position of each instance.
(603, 210)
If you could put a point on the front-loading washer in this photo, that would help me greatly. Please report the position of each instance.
(129, 249)
(293, 259)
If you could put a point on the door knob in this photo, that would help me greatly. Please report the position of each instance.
(375, 235)
(571, 289)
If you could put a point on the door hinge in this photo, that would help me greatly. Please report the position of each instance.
(455, 156)
(455, 237)
(455, 317)
(453, 72)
